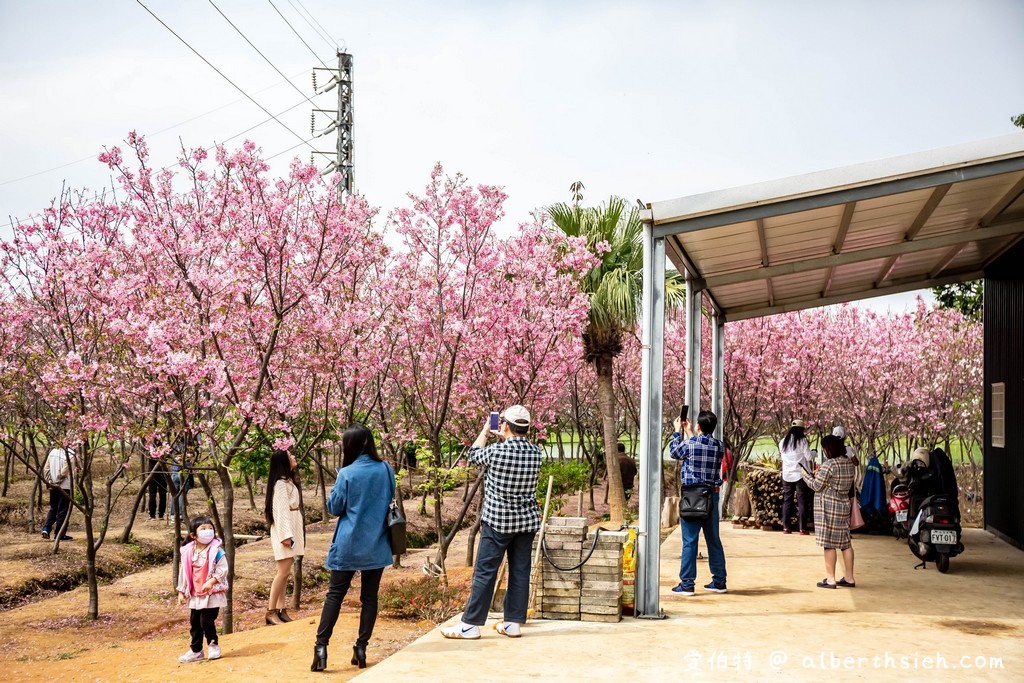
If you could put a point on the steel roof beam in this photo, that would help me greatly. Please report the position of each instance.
(836, 197)
(799, 304)
(805, 265)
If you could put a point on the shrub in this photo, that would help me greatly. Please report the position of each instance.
(424, 598)
(569, 476)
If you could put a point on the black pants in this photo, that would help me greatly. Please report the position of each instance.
(59, 506)
(203, 623)
(157, 489)
(788, 487)
(369, 584)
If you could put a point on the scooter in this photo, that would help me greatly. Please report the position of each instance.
(934, 534)
(899, 509)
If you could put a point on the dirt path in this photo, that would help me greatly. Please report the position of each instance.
(141, 631)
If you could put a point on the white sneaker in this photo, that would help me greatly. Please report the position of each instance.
(214, 651)
(462, 631)
(508, 628)
(191, 657)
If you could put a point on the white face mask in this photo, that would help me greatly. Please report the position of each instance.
(206, 536)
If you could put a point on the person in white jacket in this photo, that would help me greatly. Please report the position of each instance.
(57, 477)
(796, 455)
(283, 512)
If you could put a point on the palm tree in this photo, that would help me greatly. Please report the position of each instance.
(615, 234)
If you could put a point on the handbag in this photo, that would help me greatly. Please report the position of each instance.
(695, 502)
(394, 524)
(856, 519)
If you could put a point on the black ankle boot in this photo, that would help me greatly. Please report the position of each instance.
(319, 658)
(359, 656)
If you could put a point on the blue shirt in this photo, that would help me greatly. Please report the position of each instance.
(360, 498)
(702, 458)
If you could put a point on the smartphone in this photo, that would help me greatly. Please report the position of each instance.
(495, 418)
(684, 414)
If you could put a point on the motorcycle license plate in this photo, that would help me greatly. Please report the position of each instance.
(901, 515)
(943, 537)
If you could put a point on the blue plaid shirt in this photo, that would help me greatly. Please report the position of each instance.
(510, 485)
(702, 458)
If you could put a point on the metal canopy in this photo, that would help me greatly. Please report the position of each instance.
(851, 233)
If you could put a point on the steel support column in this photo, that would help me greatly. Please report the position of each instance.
(651, 373)
(693, 333)
(717, 369)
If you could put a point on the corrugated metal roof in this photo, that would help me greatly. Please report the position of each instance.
(850, 233)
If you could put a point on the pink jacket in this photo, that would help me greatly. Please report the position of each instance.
(217, 566)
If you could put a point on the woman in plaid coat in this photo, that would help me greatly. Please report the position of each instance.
(832, 483)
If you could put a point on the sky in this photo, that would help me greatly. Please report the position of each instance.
(643, 99)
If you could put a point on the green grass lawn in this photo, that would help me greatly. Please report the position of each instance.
(769, 446)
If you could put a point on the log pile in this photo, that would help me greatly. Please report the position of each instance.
(764, 486)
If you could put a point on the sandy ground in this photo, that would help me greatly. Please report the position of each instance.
(141, 631)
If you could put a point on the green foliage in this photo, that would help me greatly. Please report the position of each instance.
(424, 598)
(1018, 121)
(966, 297)
(439, 480)
(569, 476)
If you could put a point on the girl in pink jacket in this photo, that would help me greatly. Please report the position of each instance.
(203, 582)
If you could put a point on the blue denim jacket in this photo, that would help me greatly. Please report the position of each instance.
(360, 498)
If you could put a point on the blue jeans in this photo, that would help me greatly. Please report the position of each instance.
(181, 485)
(716, 555)
(493, 546)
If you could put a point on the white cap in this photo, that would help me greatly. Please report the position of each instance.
(839, 431)
(517, 415)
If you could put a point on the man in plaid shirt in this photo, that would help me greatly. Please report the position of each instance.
(701, 455)
(508, 523)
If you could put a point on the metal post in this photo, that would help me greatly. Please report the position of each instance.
(345, 161)
(717, 369)
(693, 345)
(652, 370)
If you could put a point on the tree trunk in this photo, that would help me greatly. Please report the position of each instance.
(446, 542)
(606, 402)
(227, 528)
(296, 582)
(252, 494)
(90, 568)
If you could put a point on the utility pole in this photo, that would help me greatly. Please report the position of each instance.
(340, 121)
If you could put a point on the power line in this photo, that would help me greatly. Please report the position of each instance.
(264, 109)
(272, 66)
(321, 31)
(311, 50)
(96, 195)
(92, 157)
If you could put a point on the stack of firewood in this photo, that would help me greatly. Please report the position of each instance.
(765, 489)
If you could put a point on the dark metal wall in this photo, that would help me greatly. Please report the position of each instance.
(1004, 362)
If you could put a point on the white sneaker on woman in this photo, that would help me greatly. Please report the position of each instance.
(214, 651)
(191, 657)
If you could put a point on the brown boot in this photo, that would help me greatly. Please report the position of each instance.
(283, 615)
(273, 618)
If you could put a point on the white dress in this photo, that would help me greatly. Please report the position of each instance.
(287, 521)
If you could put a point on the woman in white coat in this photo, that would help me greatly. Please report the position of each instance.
(284, 515)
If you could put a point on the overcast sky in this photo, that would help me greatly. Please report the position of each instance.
(643, 99)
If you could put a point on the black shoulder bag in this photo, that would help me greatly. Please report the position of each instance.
(695, 502)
